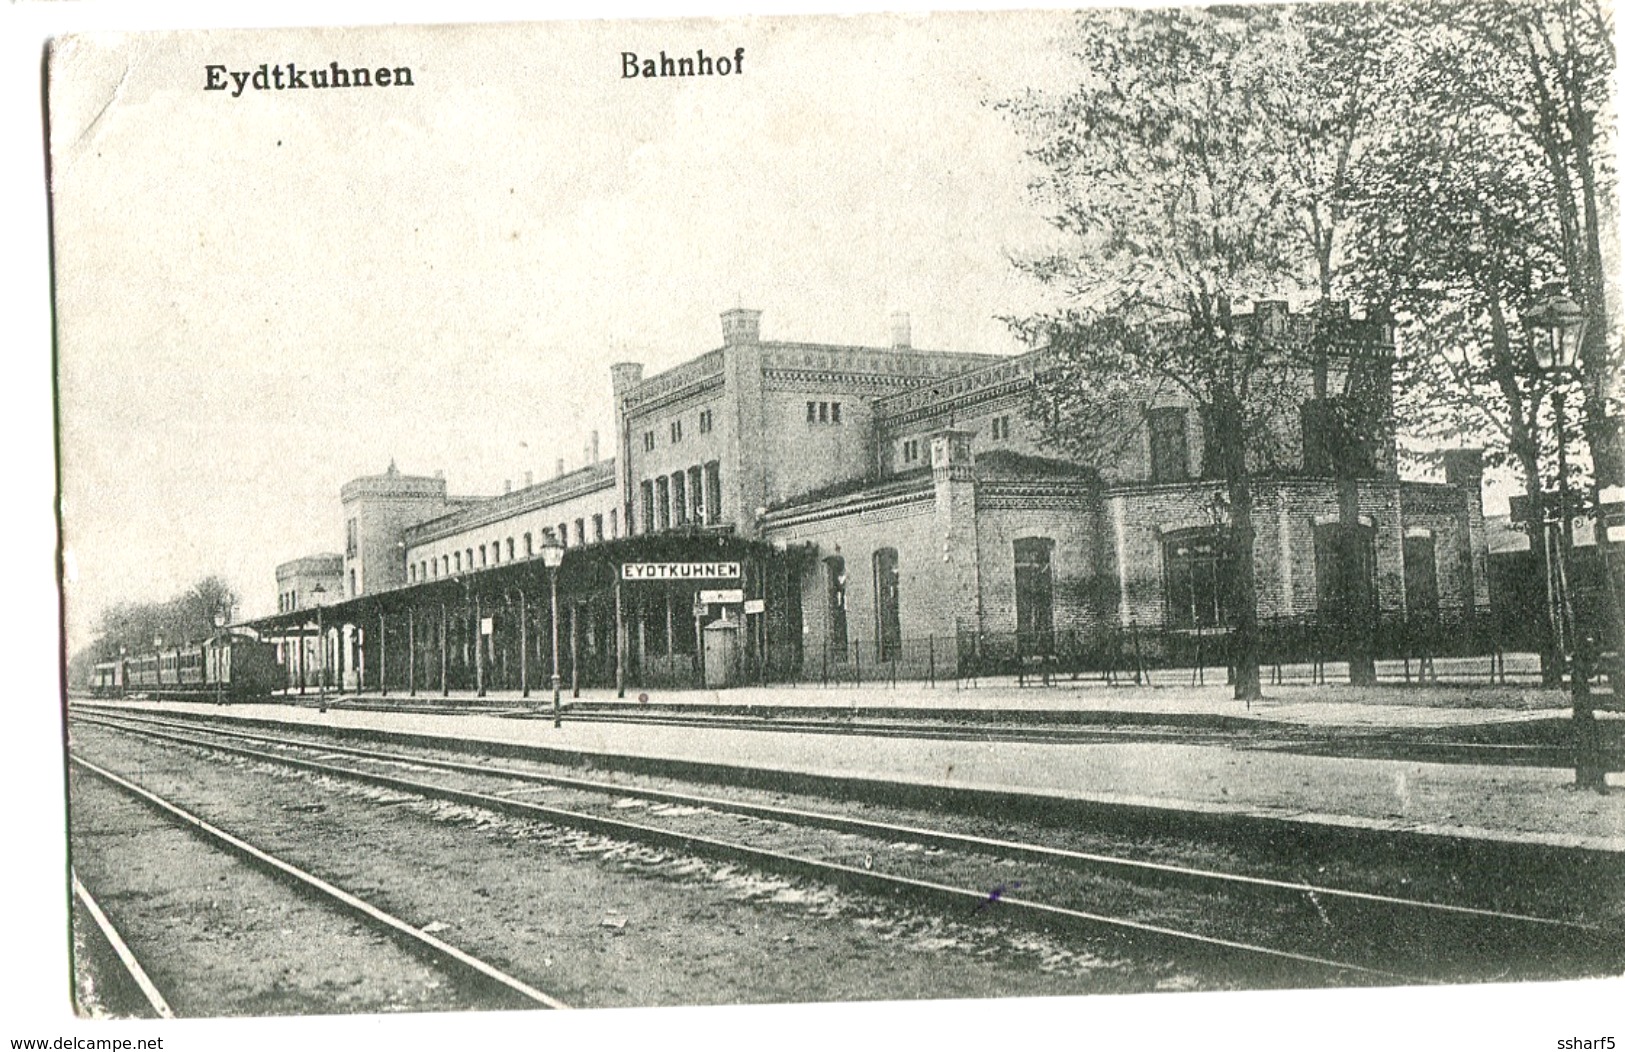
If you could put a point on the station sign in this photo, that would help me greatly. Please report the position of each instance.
(678, 571)
(755, 606)
(722, 595)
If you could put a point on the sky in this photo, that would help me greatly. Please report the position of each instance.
(262, 297)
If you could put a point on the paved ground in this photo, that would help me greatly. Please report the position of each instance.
(1512, 803)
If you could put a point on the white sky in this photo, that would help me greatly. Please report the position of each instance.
(263, 297)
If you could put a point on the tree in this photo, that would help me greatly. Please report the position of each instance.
(184, 618)
(1488, 180)
(1199, 162)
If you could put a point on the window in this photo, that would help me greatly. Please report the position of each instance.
(696, 494)
(911, 450)
(663, 502)
(564, 534)
(648, 441)
(598, 528)
(482, 555)
(530, 546)
(713, 493)
(445, 564)
(812, 412)
(468, 558)
(614, 522)
(705, 422)
(1035, 595)
(457, 561)
(581, 531)
(1332, 443)
(1170, 458)
(351, 538)
(648, 489)
(510, 549)
(1421, 577)
(676, 431)
(888, 624)
(1195, 579)
(412, 574)
(1001, 428)
(823, 412)
(835, 604)
(679, 498)
(1346, 576)
(835, 412)
(353, 584)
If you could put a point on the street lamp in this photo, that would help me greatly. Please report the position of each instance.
(219, 659)
(321, 650)
(552, 557)
(1557, 327)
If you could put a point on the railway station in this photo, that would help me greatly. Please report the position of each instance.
(886, 506)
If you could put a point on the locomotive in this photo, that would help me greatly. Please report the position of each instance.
(229, 666)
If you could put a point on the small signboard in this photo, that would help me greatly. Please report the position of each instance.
(722, 595)
(755, 606)
(486, 624)
(678, 571)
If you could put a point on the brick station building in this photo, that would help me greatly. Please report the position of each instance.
(887, 505)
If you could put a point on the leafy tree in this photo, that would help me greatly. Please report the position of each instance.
(1201, 160)
(184, 618)
(1486, 181)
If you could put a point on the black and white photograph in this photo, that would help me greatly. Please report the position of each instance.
(1068, 518)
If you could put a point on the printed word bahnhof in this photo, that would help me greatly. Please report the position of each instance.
(786, 510)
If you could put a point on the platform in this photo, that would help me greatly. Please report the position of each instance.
(1515, 805)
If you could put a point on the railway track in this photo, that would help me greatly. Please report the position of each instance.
(1338, 934)
(472, 982)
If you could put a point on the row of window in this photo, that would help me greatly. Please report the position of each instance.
(823, 412)
(675, 430)
(914, 452)
(1335, 442)
(1196, 582)
(512, 550)
(692, 496)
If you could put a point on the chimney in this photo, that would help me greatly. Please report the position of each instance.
(559, 469)
(741, 326)
(594, 459)
(900, 339)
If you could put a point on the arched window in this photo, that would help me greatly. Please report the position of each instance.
(888, 621)
(457, 563)
(835, 603)
(1035, 595)
(530, 546)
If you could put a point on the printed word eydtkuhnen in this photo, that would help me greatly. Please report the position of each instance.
(289, 76)
(701, 65)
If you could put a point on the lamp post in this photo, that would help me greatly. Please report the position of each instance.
(552, 557)
(1557, 328)
(219, 659)
(158, 667)
(321, 650)
(123, 670)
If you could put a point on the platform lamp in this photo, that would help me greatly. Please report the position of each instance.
(219, 658)
(1557, 327)
(158, 665)
(552, 558)
(321, 649)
